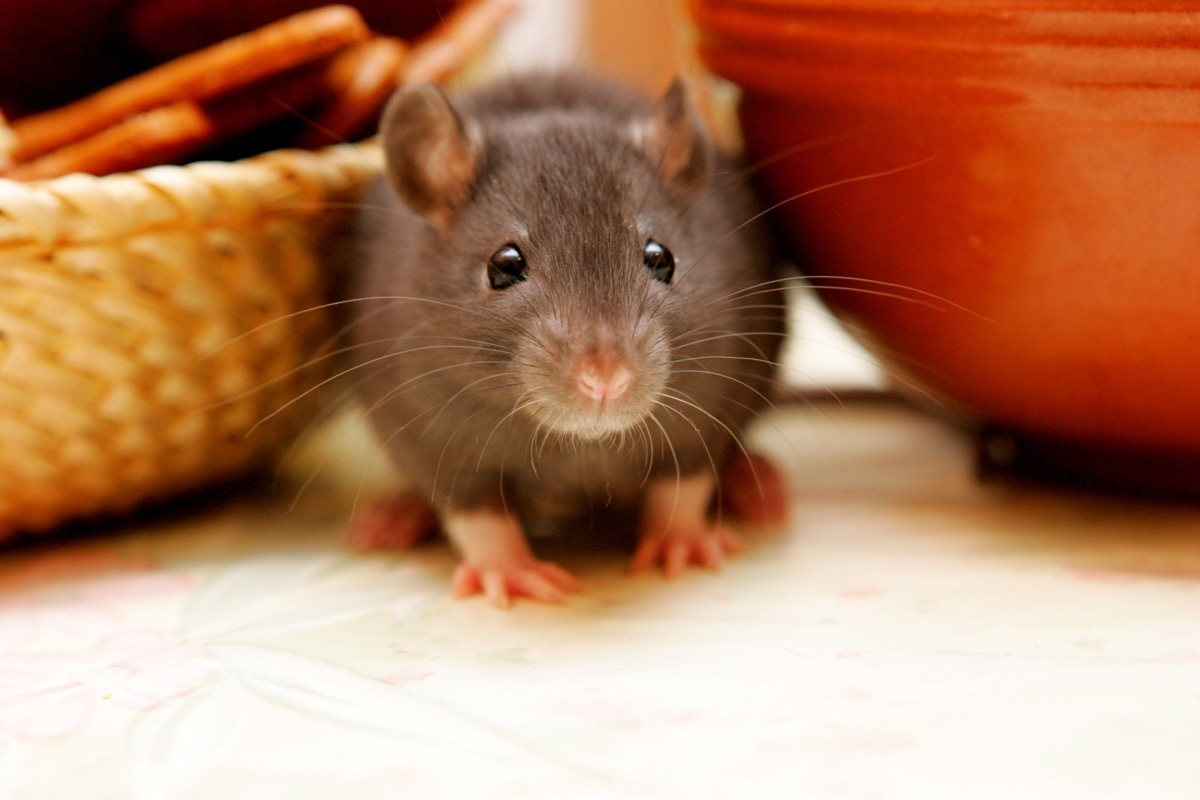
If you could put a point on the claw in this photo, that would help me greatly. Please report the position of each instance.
(676, 532)
(537, 580)
(498, 564)
(707, 547)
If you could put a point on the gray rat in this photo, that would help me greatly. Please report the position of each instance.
(558, 307)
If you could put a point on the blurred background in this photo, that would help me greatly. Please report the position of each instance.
(628, 39)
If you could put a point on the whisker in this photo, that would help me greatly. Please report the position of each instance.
(674, 456)
(449, 440)
(467, 391)
(644, 428)
(340, 375)
(715, 374)
(723, 357)
(483, 450)
(736, 439)
(823, 187)
(788, 152)
(411, 384)
(733, 335)
(335, 304)
(924, 299)
(315, 360)
(755, 217)
(891, 285)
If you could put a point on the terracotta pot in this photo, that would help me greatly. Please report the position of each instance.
(1036, 193)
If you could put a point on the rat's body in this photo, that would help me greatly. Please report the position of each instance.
(573, 319)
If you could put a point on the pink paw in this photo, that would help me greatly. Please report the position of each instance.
(501, 584)
(676, 550)
(394, 523)
(754, 491)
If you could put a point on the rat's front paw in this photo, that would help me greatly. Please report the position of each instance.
(676, 549)
(676, 531)
(498, 563)
(526, 577)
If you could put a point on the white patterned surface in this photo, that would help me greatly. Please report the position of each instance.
(913, 635)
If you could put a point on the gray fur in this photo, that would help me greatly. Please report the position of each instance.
(558, 170)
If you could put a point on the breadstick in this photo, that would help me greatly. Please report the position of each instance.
(160, 136)
(177, 132)
(257, 106)
(201, 75)
(358, 83)
(465, 32)
(8, 142)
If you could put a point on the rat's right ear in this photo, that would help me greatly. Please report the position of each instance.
(430, 157)
(673, 138)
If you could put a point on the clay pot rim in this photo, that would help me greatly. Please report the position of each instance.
(999, 68)
(793, 80)
(949, 26)
(968, 56)
(966, 7)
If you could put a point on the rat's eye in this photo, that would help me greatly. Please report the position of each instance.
(659, 261)
(507, 267)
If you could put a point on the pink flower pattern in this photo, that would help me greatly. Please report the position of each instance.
(76, 592)
(48, 696)
(79, 594)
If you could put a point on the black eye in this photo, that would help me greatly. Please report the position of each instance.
(507, 267)
(659, 261)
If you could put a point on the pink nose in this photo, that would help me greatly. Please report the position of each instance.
(602, 380)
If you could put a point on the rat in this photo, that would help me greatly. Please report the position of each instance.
(563, 303)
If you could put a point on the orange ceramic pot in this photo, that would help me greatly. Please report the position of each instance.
(1036, 193)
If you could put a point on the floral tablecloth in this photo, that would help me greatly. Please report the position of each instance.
(913, 635)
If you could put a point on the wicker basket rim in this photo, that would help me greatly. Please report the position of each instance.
(78, 209)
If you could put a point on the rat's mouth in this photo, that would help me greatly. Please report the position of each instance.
(593, 423)
(597, 429)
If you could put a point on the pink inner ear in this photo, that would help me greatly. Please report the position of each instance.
(673, 139)
(451, 168)
(676, 130)
(450, 173)
(430, 156)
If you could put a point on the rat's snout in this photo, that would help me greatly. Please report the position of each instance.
(589, 378)
(603, 378)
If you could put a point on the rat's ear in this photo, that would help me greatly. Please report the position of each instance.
(430, 157)
(673, 138)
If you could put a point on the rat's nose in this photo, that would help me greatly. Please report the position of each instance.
(602, 379)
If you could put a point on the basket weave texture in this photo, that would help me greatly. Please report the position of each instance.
(150, 320)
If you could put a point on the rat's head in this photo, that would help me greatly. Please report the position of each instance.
(567, 233)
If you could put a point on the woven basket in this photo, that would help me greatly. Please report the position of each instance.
(148, 322)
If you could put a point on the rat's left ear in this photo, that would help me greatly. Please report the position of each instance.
(431, 158)
(673, 138)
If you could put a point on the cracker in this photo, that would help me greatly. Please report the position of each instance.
(158, 136)
(205, 74)
(359, 80)
(466, 31)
